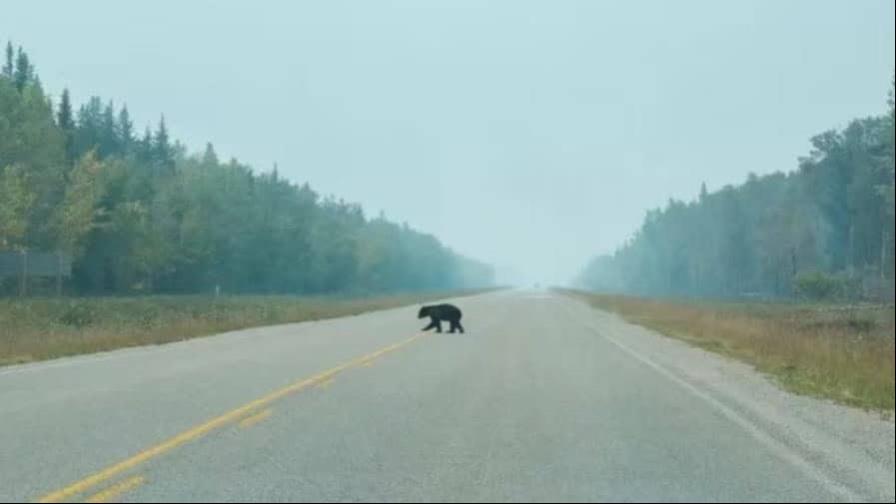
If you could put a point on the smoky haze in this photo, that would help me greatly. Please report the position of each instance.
(531, 135)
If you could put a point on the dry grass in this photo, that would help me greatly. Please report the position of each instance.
(39, 329)
(844, 353)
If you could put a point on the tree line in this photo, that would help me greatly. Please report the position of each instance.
(824, 230)
(137, 213)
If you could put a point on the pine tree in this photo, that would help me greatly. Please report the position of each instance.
(891, 99)
(64, 118)
(125, 128)
(9, 66)
(24, 72)
(162, 144)
(209, 157)
(144, 146)
(109, 142)
(162, 151)
(66, 122)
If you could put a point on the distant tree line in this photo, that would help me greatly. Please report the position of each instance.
(137, 213)
(825, 230)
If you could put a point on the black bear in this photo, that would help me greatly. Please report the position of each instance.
(438, 313)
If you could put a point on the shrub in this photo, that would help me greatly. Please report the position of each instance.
(818, 286)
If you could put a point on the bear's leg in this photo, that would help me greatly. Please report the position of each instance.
(460, 327)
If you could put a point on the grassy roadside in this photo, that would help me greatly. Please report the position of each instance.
(843, 353)
(40, 329)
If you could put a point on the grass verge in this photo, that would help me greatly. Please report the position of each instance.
(843, 353)
(46, 328)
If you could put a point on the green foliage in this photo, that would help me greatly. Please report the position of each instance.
(8, 66)
(764, 237)
(125, 128)
(66, 122)
(818, 286)
(16, 199)
(78, 213)
(24, 72)
(31, 153)
(64, 117)
(141, 215)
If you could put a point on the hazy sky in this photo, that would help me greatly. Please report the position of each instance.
(530, 134)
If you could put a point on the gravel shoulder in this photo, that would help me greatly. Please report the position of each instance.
(847, 446)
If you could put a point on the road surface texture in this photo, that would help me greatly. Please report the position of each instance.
(543, 399)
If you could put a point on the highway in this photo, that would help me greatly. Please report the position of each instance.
(542, 399)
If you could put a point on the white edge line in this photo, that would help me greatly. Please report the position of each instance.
(778, 448)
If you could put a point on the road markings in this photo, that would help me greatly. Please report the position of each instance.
(211, 425)
(117, 489)
(254, 419)
(780, 449)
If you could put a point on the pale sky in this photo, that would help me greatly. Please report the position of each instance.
(528, 134)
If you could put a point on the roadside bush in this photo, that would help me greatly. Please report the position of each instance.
(817, 286)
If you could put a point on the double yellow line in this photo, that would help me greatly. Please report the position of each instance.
(211, 425)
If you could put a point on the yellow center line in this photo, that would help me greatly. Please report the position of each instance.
(325, 384)
(209, 426)
(254, 419)
(117, 489)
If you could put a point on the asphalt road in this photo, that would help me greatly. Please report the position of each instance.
(542, 399)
